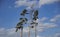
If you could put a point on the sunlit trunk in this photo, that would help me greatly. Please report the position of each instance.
(35, 31)
(30, 23)
(21, 33)
(29, 32)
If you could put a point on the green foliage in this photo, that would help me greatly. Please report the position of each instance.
(35, 16)
(36, 13)
(24, 20)
(16, 29)
(23, 12)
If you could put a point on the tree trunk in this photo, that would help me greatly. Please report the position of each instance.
(21, 33)
(35, 31)
(29, 32)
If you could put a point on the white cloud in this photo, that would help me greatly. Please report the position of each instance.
(43, 19)
(55, 19)
(53, 35)
(57, 35)
(11, 33)
(39, 36)
(40, 20)
(42, 2)
(2, 32)
(44, 25)
(26, 29)
(30, 3)
(40, 28)
(8, 32)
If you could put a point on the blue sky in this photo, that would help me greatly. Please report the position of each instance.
(49, 13)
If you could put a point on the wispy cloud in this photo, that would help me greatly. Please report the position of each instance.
(45, 25)
(41, 27)
(29, 3)
(56, 18)
(57, 35)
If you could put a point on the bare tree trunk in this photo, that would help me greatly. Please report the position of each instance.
(30, 23)
(21, 33)
(29, 32)
(35, 31)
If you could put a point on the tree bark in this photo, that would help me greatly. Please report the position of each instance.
(29, 32)
(21, 33)
(35, 31)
